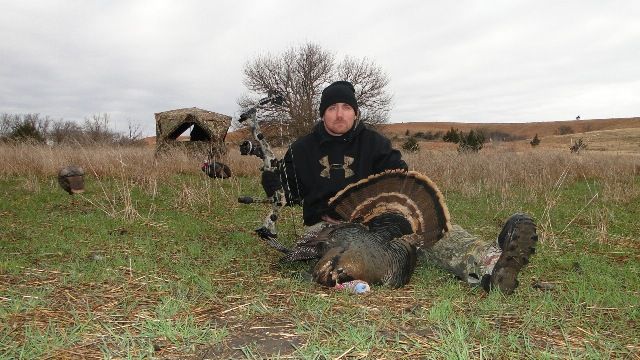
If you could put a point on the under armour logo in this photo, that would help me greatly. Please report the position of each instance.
(326, 167)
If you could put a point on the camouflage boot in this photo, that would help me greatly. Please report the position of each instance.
(517, 240)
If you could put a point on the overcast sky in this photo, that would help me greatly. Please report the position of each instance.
(467, 61)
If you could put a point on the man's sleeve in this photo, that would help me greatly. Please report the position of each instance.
(387, 157)
(292, 188)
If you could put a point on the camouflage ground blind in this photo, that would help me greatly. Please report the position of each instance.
(208, 130)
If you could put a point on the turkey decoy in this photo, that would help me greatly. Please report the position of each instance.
(388, 217)
(71, 179)
(216, 170)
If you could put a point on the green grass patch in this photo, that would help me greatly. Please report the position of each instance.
(178, 272)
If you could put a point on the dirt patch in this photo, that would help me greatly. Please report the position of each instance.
(263, 340)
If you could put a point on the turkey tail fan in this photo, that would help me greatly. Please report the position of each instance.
(409, 194)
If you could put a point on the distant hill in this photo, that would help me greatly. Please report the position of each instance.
(620, 135)
(519, 130)
(618, 140)
(522, 130)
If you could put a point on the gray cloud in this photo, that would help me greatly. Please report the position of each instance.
(504, 61)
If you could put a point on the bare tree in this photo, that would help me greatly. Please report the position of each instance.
(40, 123)
(96, 129)
(133, 135)
(300, 74)
(370, 83)
(7, 122)
(65, 132)
(134, 131)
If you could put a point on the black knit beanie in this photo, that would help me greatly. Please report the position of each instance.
(338, 92)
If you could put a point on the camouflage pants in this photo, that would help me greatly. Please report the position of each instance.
(466, 256)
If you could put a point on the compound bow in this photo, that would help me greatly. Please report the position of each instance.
(267, 231)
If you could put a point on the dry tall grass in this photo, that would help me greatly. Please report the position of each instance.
(497, 169)
(537, 177)
(23, 159)
(513, 176)
(539, 172)
(131, 167)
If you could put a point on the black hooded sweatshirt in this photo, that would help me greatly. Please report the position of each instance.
(318, 165)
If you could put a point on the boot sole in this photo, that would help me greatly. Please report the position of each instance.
(519, 240)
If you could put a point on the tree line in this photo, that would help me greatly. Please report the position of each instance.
(472, 141)
(95, 129)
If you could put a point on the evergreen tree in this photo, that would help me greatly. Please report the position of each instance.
(535, 141)
(411, 145)
(472, 142)
(452, 136)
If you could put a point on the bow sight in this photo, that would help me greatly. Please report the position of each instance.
(273, 97)
(249, 147)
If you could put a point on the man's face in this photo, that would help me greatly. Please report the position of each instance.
(339, 118)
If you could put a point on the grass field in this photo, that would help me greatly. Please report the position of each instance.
(156, 260)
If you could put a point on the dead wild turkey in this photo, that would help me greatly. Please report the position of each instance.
(71, 179)
(388, 217)
(216, 170)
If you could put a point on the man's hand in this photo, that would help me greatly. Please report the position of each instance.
(271, 182)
